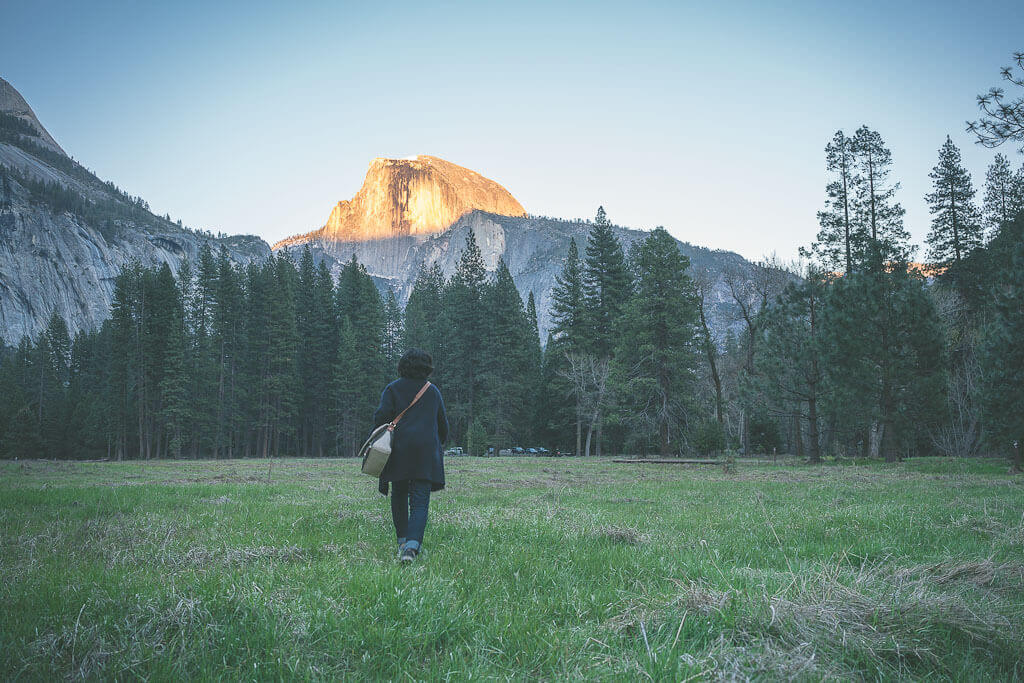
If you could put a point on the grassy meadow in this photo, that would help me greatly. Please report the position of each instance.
(534, 568)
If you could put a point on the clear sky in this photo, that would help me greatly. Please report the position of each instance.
(707, 118)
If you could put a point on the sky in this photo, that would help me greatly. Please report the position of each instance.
(709, 119)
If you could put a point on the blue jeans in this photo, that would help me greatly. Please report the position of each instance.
(409, 501)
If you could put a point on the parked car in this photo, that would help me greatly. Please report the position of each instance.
(532, 451)
(454, 451)
(518, 450)
(543, 451)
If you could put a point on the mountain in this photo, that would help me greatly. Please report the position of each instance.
(419, 195)
(416, 212)
(65, 234)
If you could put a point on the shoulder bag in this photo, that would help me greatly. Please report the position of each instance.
(377, 450)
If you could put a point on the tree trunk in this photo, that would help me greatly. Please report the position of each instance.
(579, 429)
(709, 348)
(874, 443)
(798, 435)
(846, 214)
(814, 449)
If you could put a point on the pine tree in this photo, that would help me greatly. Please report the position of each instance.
(162, 317)
(321, 353)
(284, 350)
(464, 312)
(605, 286)
(833, 247)
(956, 226)
(177, 406)
(606, 289)
(534, 370)
(569, 334)
(792, 365)
(361, 373)
(506, 376)
(1002, 195)
(555, 408)
(19, 430)
(1003, 355)
(317, 328)
(423, 313)
(885, 356)
(204, 357)
(880, 216)
(567, 311)
(657, 347)
(52, 367)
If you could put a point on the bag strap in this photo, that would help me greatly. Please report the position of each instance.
(391, 426)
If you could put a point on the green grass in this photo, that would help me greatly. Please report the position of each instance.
(550, 568)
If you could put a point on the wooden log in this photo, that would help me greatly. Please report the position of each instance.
(667, 461)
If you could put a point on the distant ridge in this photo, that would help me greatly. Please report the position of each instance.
(12, 103)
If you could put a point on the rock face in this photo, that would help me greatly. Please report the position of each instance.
(421, 195)
(55, 259)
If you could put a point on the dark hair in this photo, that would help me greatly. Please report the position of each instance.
(415, 364)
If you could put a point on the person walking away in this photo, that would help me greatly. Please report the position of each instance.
(416, 466)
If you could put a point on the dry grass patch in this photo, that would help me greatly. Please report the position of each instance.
(890, 620)
(623, 535)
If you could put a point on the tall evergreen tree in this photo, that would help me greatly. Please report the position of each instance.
(880, 216)
(1002, 356)
(885, 355)
(506, 374)
(567, 312)
(19, 427)
(956, 225)
(177, 407)
(834, 246)
(317, 328)
(534, 370)
(792, 355)
(52, 369)
(606, 286)
(1003, 194)
(606, 290)
(361, 366)
(569, 334)
(282, 370)
(424, 315)
(658, 343)
(464, 311)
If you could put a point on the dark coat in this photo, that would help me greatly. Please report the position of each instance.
(416, 441)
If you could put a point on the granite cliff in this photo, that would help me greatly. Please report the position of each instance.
(420, 195)
(65, 234)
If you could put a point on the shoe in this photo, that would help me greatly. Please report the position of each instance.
(408, 555)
